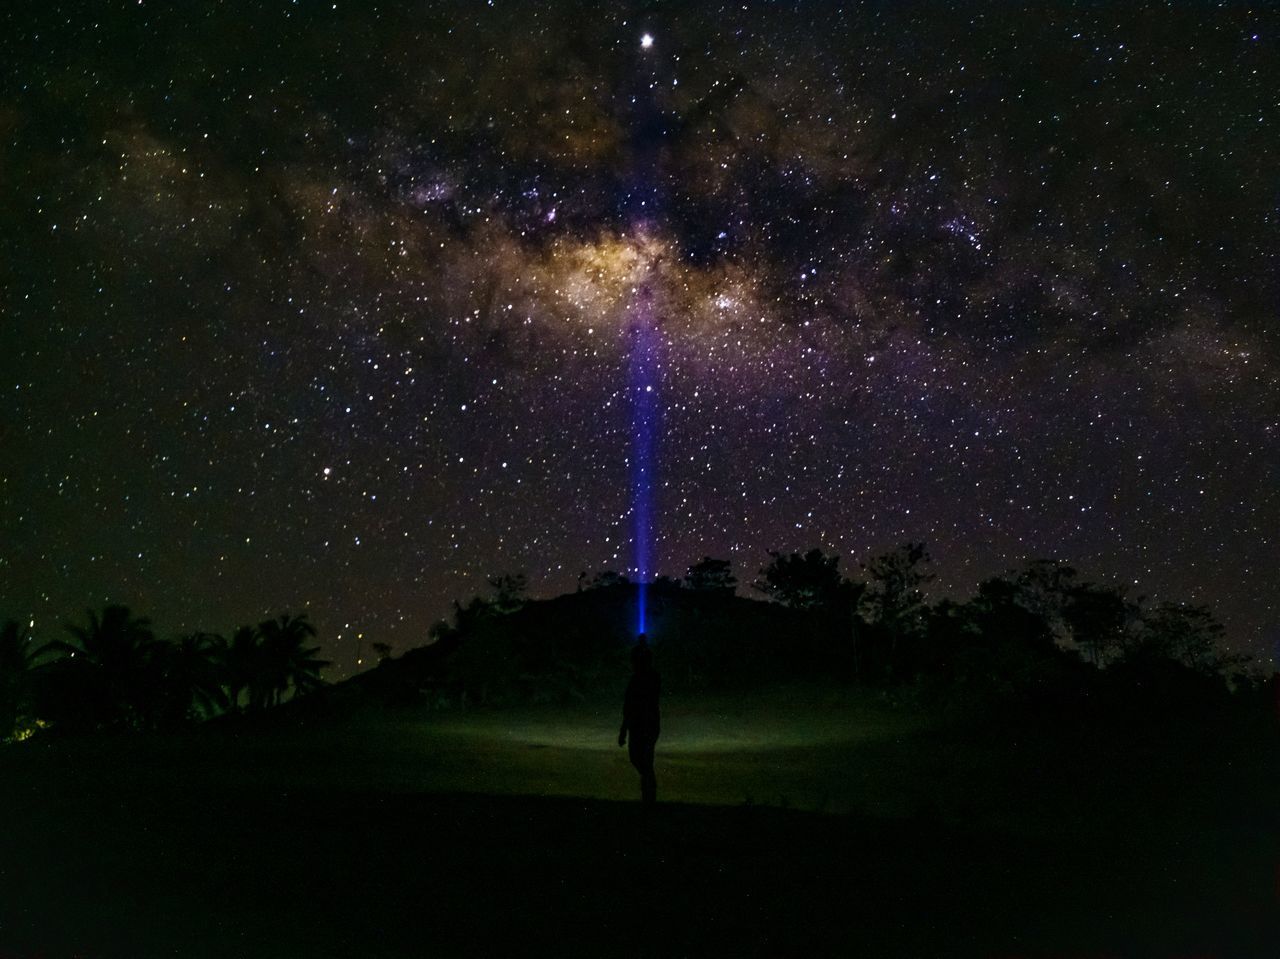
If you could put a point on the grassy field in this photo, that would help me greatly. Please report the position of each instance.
(796, 821)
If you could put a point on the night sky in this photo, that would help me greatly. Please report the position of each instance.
(328, 307)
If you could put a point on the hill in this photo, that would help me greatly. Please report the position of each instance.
(572, 646)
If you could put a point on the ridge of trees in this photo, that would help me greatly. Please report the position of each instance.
(1016, 630)
(113, 672)
(1020, 632)
(1046, 603)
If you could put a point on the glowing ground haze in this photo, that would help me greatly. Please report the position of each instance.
(335, 308)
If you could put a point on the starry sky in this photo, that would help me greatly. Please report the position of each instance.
(328, 306)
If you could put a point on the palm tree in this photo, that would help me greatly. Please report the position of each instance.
(17, 660)
(193, 674)
(285, 661)
(106, 676)
(240, 659)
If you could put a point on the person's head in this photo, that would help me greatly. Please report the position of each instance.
(641, 655)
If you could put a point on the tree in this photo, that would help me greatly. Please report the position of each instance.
(606, 579)
(107, 674)
(714, 576)
(508, 592)
(893, 599)
(1099, 619)
(285, 660)
(192, 672)
(17, 664)
(382, 651)
(1186, 634)
(1044, 586)
(994, 641)
(240, 664)
(807, 581)
(1003, 614)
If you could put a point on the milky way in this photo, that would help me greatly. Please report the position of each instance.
(327, 306)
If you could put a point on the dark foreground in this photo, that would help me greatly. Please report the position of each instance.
(124, 849)
(377, 875)
(306, 875)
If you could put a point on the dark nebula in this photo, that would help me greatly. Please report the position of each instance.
(324, 306)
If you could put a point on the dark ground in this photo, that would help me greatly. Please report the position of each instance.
(205, 845)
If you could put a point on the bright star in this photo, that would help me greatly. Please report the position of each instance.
(646, 41)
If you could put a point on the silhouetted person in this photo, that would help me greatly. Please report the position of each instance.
(640, 718)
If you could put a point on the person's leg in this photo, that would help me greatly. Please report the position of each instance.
(639, 757)
(643, 760)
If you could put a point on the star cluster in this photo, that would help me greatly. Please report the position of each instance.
(324, 306)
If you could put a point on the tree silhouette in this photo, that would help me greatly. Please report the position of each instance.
(807, 581)
(17, 665)
(709, 575)
(993, 642)
(606, 579)
(894, 606)
(1186, 634)
(240, 664)
(1099, 618)
(1001, 610)
(107, 674)
(192, 670)
(509, 591)
(1044, 586)
(285, 661)
(893, 599)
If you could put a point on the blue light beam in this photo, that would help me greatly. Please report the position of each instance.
(643, 205)
(643, 384)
